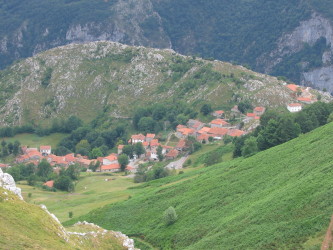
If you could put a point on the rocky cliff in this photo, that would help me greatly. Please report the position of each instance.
(307, 33)
(260, 34)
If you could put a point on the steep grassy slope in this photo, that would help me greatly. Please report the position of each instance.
(27, 226)
(279, 198)
(110, 78)
(24, 225)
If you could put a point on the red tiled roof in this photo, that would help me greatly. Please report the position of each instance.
(121, 146)
(45, 148)
(294, 105)
(172, 153)
(218, 131)
(293, 87)
(203, 130)
(84, 162)
(203, 137)
(219, 112)
(49, 184)
(145, 144)
(138, 137)
(111, 166)
(154, 143)
(219, 122)
(34, 153)
(111, 157)
(3, 165)
(250, 114)
(70, 158)
(181, 144)
(304, 99)
(181, 126)
(259, 109)
(235, 132)
(186, 131)
(150, 135)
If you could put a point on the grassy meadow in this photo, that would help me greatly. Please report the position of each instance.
(33, 140)
(280, 198)
(91, 192)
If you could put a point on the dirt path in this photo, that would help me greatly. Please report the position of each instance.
(327, 243)
(168, 139)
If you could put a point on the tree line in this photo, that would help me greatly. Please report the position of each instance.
(276, 128)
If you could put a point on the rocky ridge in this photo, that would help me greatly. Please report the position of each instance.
(7, 182)
(87, 79)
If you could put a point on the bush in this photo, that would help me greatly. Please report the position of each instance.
(70, 214)
(170, 216)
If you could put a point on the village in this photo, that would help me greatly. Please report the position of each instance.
(216, 130)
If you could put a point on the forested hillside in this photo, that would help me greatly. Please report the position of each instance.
(277, 199)
(289, 38)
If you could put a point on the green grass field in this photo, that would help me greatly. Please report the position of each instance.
(91, 191)
(33, 140)
(280, 198)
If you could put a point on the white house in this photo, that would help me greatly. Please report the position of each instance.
(294, 107)
(138, 138)
(45, 150)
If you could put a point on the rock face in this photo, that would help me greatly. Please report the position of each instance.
(308, 32)
(7, 182)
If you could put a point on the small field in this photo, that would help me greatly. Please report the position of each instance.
(33, 140)
(196, 158)
(92, 191)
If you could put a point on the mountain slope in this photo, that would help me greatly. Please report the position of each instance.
(271, 36)
(97, 77)
(24, 225)
(279, 198)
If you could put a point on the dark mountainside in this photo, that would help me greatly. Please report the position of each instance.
(281, 37)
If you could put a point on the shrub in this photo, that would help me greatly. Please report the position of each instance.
(70, 214)
(170, 216)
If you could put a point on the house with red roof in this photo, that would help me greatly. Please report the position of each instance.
(110, 159)
(195, 124)
(45, 150)
(219, 123)
(172, 154)
(217, 133)
(294, 87)
(203, 138)
(259, 111)
(294, 107)
(154, 143)
(49, 184)
(181, 145)
(305, 100)
(70, 158)
(185, 132)
(150, 137)
(235, 132)
(113, 168)
(218, 113)
(137, 138)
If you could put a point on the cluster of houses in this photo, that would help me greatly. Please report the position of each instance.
(151, 144)
(35, 156)
(216, 129)
(302, 95)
